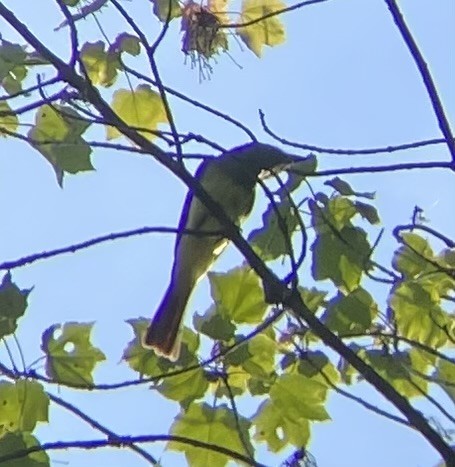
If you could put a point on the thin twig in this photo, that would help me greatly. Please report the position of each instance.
(25, 260)
(193, 102)
(348, 152)
(272, 14)
(380, 168)
(120, 441)
(98, 426)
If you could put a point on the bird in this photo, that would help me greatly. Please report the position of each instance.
(230, 180)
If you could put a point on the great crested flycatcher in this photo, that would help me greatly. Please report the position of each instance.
(230, 180)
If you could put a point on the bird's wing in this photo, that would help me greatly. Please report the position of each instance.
(185, 221)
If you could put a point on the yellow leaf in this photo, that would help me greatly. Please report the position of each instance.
(141, 108)
(269, 31)
(100, 65)
(8, 120)
(219, 9)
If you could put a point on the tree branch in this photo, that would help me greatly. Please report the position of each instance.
(426, 76)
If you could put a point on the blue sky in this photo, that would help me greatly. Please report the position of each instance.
(343, 79)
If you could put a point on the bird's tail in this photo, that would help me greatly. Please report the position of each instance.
(163, 332)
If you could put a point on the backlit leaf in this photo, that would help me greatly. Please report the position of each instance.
(272, 240)
(141, 108)
(269, 31)
(101, 65)
(368, 212)
(297, 396)
(411, 258)
(184, 387)
(146, 362)
(70, 356)
(12, 68)
(214, 324)
(341, 257)
(352, 313)
(161, 9)
(57, 135)
(274, 428)
(418, 315)
(13, 443)
(445, 377)
(13, 302)
(7, 122)
(238, 295)
(216, 426)
(24, 404)
(397, 369)
(345, 189)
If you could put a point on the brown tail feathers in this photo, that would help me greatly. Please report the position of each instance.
(163, 333)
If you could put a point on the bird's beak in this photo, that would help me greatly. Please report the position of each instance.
(288, 161)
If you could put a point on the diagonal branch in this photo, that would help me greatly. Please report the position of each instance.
(425, 74)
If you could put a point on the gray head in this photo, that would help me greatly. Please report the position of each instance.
(254, 158)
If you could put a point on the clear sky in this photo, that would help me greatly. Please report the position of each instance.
(344, 79)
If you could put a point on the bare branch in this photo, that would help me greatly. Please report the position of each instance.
(348, 152)
(426, 76)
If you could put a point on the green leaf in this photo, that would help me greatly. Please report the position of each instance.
(297, 396)
(71, 357)
(269, 420)
(216, 426)
(352, 313)
(237, 378)
(397, 369)
(184, 387)
(12, 69)
(341, 257)
(269, 31)
(445, 377)
(24, 404)
(141, 108)
(345, 189)
(13, 443)
(13, 302)
(341, 186)
(238, 295)
(411, 259)
(7, 122)
(261, 363)
(317, 366)
(57, 135)
(139, 358)
(161, 9)
(313, 298)
(339, 212)
(368, 212)
(146, 362)
(214, 325)
(438, 284)
(240, 353)
(447, 256)
(272, 240)
(297, 173)
(418, 315)
(128, 43)
(254, 361)
(335, 214)
(101, 65)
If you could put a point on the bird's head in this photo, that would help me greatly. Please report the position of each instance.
(259, 159)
